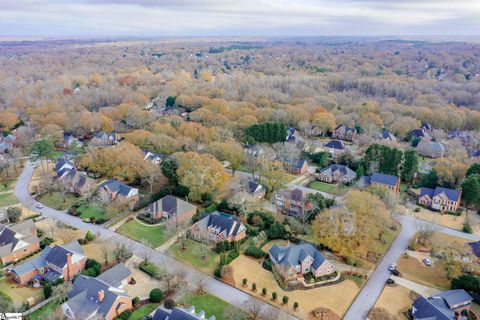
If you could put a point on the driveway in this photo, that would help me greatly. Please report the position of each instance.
(212, 286)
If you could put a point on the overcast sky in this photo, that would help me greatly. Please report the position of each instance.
(239, 17)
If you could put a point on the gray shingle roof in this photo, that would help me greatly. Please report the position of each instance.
(440, 307)
(335, 144)
(225, 222)
(115, 275)
(116, 186)
(384, 179)
(172, 206)
(294, 254)
(179, 314)
(344, 170)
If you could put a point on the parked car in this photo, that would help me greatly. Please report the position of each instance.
(86, 220)
(427, 262)
(390, 281)
(396, 273)
(39, 206)
(392, 267)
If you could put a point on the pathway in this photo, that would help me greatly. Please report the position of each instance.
(415, 287)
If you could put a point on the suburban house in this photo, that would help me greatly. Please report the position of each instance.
(335, 147)
(386, 135)
(102, 138)
(337, 173)
(76, 181)
(291, 135)
(256, 152)
(385, 180)
(295, 165)
(18, 241)
(5, 147)
(63, 165)
(70, 140)
(178, 314)
(291, 202)
(257, 190)
(431, 149)
(218, 226)
(113, 190)
(467, 138)
(153, 158)
(103, 296)
(343, 132)
(441, 199)
(475, 246)
(9, 139)
(4, 216)
(173, 208)
(60, 262)
(293, 261)
(448, 305)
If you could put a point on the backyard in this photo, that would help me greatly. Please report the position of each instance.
(55, 200)
(7, 199)
(328, 188)
(155, 235)
(192, 255)
(336, 297)
(212, 306)
(18, 293)
(143, 311)
(414, 270)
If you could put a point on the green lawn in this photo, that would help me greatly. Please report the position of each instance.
(45, 312)
(193, 256)
(91, 210)
(212, 305)
(403, 187)
(143, 311)
(18, 293)
(55, 200)
(155, 235)
(5, 185)
(7, 199)
(328, 188)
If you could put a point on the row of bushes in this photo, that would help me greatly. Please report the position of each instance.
(149, 268)
(255, 252)
(311, 279)
(45, 242)
(148, 219)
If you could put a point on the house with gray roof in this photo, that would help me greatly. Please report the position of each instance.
(448, 305)
(112, 190)
(170, 207)
(390, 182)
(295, 260)
(58, 262)
(335, 173)
(103, 139)
(18, 241)
(431, 149)
(386, 135)
(291, 202)
(295, 165)
(154, 158)
(343, 132)
(440, 199)
(178, 313)
(335, 147)
(103, 296)
(218, 226)
(256, 189)
(76, 181)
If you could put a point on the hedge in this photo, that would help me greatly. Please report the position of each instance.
(255, 252)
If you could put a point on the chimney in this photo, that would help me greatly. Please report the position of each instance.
(101, 295)
(69, 266)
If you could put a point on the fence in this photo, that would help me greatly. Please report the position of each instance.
(38, 306)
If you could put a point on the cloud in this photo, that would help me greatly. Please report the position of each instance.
(246, 17)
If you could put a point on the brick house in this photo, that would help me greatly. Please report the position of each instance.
(18, 241)
(295, 166)
(448, 305)
(103, 139)
(295, 260)
(173, 208)
(336, 148)
(291, 202)
(337, 173)
(390, 182)
(103, 296)
(343, 132)
(114, 190)
(440, 199)
(60, 262)
(218, 226)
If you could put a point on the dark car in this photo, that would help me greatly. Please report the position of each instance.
(390, 281)
(395, 273)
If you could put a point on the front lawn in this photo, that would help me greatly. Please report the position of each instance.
(192, 255)
(7, 199)
(55, 200)
(396, 300)
(44, 312)
(328, 188)
(212, 306)
(416, 271)
(143, 311)
(155, 235)
(91, 210)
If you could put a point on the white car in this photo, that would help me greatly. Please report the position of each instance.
(39, 206)
(392, 267)
(427, 262)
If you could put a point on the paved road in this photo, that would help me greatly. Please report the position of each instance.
(374, 286)
(233, 296)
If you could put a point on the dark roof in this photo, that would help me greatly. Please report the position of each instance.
(335, 144)
(225, 222)
(61, 162)
(441, 306)
(344, 170)
(426, 126)
(417, 133)
(253, 185)
(115, 275)
(476, 153)
(427, 191)
(475, 248)
(171, 206)
(295, 254)
(58, 256)
(296, 194)
(452, 195)
(344, 127)
(179, 314)
(298, 164)
(385, 179)
(116, 186)
(387, 135)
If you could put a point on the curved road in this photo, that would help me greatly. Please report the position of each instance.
(215, 287)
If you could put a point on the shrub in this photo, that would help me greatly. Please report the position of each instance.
(169, 304)
(149, 268)
(267, 264)
(222, 246)
(255, 252)
(47, 291)
(218, 271)
(467, 228)
(124, 315)
(89, 236)
(295, 305)
(156, 295)
(244, 281)
(135, 301)
(276, 231)
(264, 291)
(285, 300)
(274, 296)
(254, 286)
(417, 209)
(45, 242)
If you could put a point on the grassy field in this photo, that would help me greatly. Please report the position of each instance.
(55, 200)
(18, 293)
(193, 256)
(91, 211)
(143, 311)
(7, 199)
(414, 270)
(212, 306)
(337, 297)
(328, 188)
(45, 312)
(155, 235)
(395, 300)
